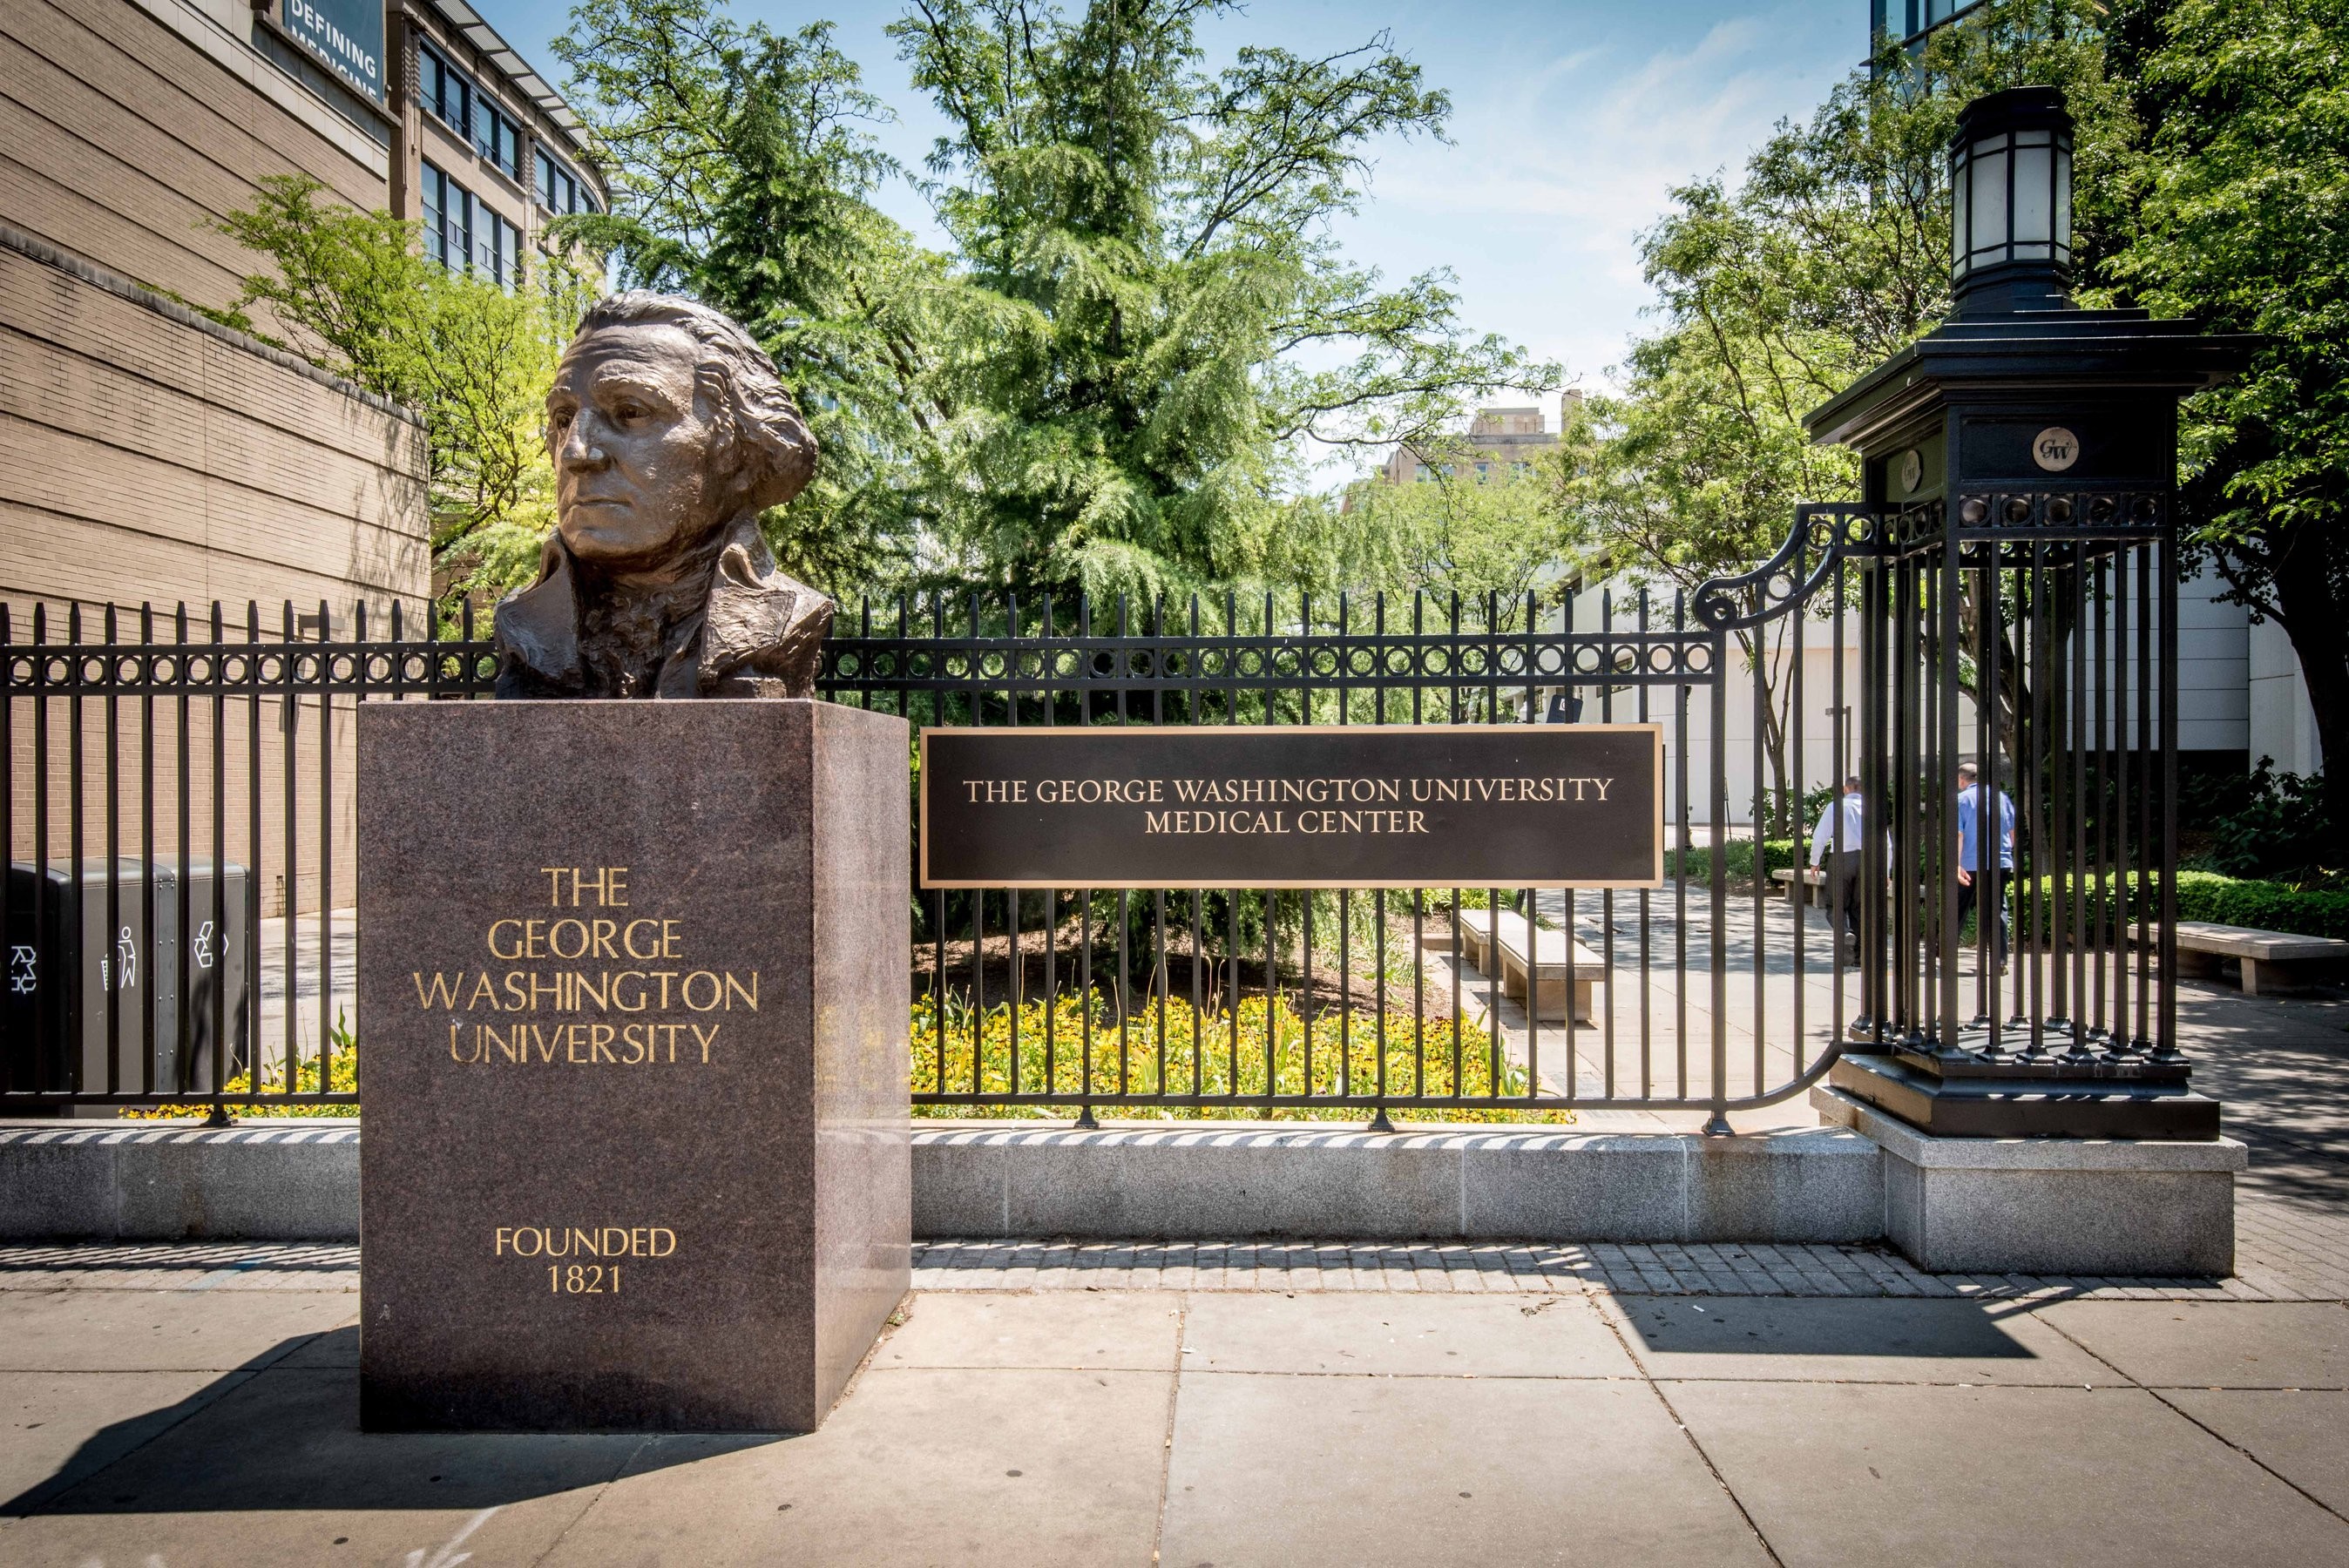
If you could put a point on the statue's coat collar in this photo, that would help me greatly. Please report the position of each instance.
(750, 622)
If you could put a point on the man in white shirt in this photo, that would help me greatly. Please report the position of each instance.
(1835, 848)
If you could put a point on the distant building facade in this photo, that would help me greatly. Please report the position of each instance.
(1498, 442)
(149, 456)
(486, 153)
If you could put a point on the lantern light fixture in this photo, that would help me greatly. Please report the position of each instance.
(2011, 204)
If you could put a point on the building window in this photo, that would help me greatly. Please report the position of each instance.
(449, 219)
(500, 250)
(443, 89)
(497, 137)
(558, 189)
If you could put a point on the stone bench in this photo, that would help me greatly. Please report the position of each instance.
(1475, 929)
(2271, 960)
(1814, 882)
(1549, 969)
(1548, 966)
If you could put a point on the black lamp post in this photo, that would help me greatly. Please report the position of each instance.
(2020, 578)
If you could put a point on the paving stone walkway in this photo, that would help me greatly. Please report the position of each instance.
(1300, 1403)
(163, 1411)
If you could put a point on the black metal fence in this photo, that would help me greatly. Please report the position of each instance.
(179, 820)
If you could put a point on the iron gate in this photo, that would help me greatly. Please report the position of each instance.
(148, 742)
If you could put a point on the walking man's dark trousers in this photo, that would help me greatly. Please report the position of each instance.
(1995, 879)
(1843, 893)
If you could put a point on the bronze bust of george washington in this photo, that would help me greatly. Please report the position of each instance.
(670, 432)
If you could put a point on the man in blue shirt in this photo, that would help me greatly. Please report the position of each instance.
(1981, 886)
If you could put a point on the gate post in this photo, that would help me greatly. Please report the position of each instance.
(2022, 460)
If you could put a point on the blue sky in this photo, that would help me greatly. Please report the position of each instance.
(1572, 120)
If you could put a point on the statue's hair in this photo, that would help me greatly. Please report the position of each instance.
(754, 410)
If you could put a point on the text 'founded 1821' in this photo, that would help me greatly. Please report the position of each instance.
(1263, 805)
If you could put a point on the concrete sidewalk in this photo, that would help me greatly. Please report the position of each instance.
(198, 1406)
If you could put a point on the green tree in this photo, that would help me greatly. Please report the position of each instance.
(1155, 242)
(2245, 224)
(1829, 255)
(356, 296)
(742, 171)
(1106, 382)
(1482, 538)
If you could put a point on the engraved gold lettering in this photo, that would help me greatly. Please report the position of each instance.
(583, 1241)
(443, 991)
(497, 952)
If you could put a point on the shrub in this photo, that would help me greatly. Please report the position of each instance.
(1356, 1036)
(1737, 858)
(1220, 1039)
(2267, 824)
(2225, 901)
(342, 1078)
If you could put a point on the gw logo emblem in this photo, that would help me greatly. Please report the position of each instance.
(2056, 449)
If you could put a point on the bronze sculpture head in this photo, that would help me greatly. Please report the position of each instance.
(670, 433)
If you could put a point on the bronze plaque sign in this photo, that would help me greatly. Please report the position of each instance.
(1416, 805)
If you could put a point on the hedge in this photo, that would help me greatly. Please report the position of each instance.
(2201, 895)
(1737, 857)
(2263, 905)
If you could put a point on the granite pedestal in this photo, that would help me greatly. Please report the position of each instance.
(2142, 1207)
(633, 1061)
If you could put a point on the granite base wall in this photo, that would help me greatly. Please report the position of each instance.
(177, 1181)
(1227, 1182)
(258, 1181)
(2033, 1207)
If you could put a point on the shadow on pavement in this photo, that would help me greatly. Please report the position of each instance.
(281, 1432)
(1727, 1326)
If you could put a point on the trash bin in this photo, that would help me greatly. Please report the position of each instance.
(66, 977)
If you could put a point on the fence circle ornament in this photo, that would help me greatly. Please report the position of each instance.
(2055, 448)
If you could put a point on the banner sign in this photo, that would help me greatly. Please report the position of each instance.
(344, 36)
(1415, 805)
